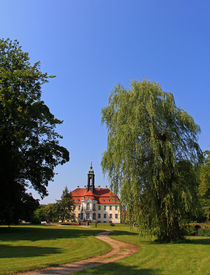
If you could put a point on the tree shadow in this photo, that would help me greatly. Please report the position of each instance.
(119, 269)
(197, 240)
(44, 233)
(205, 241)
(10, 251)
(119, 233)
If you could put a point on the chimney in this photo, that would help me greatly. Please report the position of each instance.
(78, 186)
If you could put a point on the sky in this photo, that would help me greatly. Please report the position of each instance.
(93, 45)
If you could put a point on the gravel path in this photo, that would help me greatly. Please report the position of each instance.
(119, 251)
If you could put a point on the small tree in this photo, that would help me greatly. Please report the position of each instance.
(66, 206)
(151, 158)
(40, 214)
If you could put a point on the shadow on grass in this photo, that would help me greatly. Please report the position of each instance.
(49, 233)
(197, 240)
(43, 233)
(118, 269)
(120, 233)
(10, 251)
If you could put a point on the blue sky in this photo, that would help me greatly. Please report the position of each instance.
(92, 45)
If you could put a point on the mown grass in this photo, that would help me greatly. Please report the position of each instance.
(189, 257)
(31, 247)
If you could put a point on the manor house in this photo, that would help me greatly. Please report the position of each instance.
(95, 204)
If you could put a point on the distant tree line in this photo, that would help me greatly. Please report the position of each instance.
(60, 211)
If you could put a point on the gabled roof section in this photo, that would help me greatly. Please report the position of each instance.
(102, 195)
(79, 192)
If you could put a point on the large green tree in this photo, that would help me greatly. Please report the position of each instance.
(29, 144)
(204, 187)
(152, 157)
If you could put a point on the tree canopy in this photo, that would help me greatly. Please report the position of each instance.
(152, 157)
(29, 144)
(204, 187)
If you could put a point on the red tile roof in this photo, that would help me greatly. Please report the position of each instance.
(102, 195)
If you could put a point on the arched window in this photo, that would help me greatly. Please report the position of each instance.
(91, 181)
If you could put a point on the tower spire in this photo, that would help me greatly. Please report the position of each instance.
(91, 179)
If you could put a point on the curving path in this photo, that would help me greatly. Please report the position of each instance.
(119, 251)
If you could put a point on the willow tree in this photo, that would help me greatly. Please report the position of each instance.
(151, 157)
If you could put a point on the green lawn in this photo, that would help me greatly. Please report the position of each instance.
(190, 257)
(30, 247)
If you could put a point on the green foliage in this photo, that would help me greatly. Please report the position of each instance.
(62, 210)
(48, 213)
(40, 214)
(204, 188)
(29, 148)
(152, 157)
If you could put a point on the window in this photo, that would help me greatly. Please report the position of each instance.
(102, 200)
(99, 216)
(104, 207)
(94, 207)
(110, 207)
(81, 216)
(110, 216)
(88, 206)
(79, 207)
(108, 200)
(116, 216)
(94, 216)
(87, 216)
(116, 207)
(99, 207)
(104, 216)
